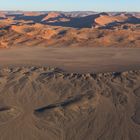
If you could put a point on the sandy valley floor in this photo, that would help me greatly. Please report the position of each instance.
(74, 59)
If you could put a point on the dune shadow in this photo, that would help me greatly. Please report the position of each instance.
(76, 22)
(36, 19)
(133, 20)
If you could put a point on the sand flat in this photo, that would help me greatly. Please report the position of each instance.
(74, 59)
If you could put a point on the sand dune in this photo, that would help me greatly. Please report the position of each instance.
(54, 17)
(45, 35)
(104, 20)
(46, 103)
(60, 29)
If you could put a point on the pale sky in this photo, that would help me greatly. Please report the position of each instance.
(71, 5)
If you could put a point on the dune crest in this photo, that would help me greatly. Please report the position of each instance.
(104, 20)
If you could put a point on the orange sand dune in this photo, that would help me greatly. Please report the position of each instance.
(51, 15)
(60, 30)
(55, 17)
(45, 35)
(106, 19)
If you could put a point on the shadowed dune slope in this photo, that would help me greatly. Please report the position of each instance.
(40, 103)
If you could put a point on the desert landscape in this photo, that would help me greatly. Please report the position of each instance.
(75, 29)
(69, 75)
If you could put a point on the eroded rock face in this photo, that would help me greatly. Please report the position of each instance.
(42, 102)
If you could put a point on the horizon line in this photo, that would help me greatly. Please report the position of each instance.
(63, 11)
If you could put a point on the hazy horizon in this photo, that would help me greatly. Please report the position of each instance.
(78, 5)
(67, 11)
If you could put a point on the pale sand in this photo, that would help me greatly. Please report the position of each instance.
(74, 59)
(42, 103)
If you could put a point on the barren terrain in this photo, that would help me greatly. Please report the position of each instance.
(69, 76)
(83, 60)
(40, 103)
